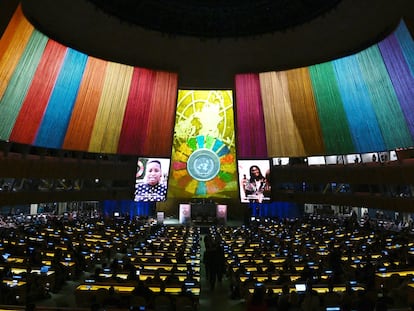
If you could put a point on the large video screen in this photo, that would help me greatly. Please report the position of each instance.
(254, 180)
(152, 179)
(203, 160)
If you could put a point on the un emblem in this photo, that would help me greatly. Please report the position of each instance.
(203, 164)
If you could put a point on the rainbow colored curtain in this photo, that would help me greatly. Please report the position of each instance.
(359, 103)
(54, 96)
(57, 97)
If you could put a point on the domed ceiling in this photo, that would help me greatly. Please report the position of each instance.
(215, 19)
(207, 42)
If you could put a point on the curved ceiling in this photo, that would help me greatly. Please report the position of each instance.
(212, 61)
(215, 19)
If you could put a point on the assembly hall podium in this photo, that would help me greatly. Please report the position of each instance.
(202, 212)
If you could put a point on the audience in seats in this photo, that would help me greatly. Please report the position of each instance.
(341, 264)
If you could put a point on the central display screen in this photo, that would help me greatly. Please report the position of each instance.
(203, 156)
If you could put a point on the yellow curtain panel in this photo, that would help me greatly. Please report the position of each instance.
(304, 110)
(282, 133)
(108, 122)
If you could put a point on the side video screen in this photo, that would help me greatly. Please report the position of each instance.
(151, 179)
(254, 180)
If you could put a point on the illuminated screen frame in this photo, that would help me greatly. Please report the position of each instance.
(265, 193)
(203, 160)
(144, 190)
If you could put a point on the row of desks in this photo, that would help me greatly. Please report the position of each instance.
(127, 289)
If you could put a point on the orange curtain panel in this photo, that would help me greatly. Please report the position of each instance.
(83, 116)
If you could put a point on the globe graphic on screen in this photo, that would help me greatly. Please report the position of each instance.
(203, 164)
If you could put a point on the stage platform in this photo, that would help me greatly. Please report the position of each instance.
(170, 221)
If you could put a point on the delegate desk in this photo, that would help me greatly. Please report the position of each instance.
(176, 289)
(16, 260)
(21, 276)
(126, 289)
(19, 289)
(86, 293)
(119, 288)
(320, 289)
(157, 257)
(253, 267)
(182, 276)
(38, 271)
(382, 277)
(263, 277)
(117, 276)
(165, 267)
(258, 260)
(67, 264)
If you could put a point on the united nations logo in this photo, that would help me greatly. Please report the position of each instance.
(203, 164)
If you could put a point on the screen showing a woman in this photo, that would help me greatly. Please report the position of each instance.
(255, 185)
(153, 185)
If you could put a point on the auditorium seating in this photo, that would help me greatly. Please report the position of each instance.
(315, 252)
